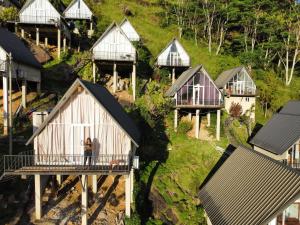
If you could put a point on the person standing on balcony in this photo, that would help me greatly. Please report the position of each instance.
(88, 151)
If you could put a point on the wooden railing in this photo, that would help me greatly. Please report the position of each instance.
(295, 164)
(178, 62)
(78, 16)
(205, 102)
(119, 56)
(37, 19)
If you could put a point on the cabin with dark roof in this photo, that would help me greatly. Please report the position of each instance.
(40, 19)
(173, 57)
(238, 88)
(251, 188)
(24, 67)
(195, 90)
(115, 53)
(86, 111)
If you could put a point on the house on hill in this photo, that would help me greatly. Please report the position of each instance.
(114, 49)
(86, 110)
(173, 57)
(195, 90)
(41, 19)
(251, 188)
(129, 30)
(239, 88)
(24, 68)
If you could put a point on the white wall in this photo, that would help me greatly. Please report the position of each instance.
(115, 46)
(129, 30)
(246, 105)
(79, 10)
(40, 12)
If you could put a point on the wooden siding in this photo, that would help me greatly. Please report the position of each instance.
(129, 30)
(174, 55)
(78, 10)
(114, 46)
(39, 12)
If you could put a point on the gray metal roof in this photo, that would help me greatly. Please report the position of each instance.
(281, 131)
(104, 97)
(249, 188)
(225, 76)
(20, 53)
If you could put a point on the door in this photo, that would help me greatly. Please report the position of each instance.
(174, 59)
(198, 95)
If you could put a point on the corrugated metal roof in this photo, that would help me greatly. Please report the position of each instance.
(281, 131)
(249, 188)
(20, 53)
(225, 76)
(104, 97)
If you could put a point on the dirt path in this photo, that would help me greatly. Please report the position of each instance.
(203, 132)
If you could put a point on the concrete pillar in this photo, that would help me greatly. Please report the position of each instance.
(94, 183)
(5, 105)
(197, 123)
(64, 44)
(59, 179)
(218, 126)
(127, 195)
(38, 87)
(22, 33)
(115, 79)
(84, 200)
(190, 116)
(37, 37)
(46, 42)
(175, 119)
(94, 71)
(24, 93)
(38, 196)
(131, 185)
(134, 81)
(58, 42)
(208, 119)
(173, 76)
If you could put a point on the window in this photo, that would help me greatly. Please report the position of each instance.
(247, 99)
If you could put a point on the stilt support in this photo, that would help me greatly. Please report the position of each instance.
(218, 126)
(38, 87)
(5, 105)
(37, 37)
(115, 78)
(131, 185)
(38, 196)
(94, 71)
(94, 183)
(208, 119)
(197, 123)
(59, 179)
(134, 81)
(84, 200)
(127, 195)
(190, 116)
(173, 76)
(64, 44)
(22, 33)
(91, 25)
(46, 42)
(58, 42)
(24, 93)
(175, 119)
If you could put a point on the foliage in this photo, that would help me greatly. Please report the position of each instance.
(184, 127)
(235, 110)
(8, 14)
(133, 220)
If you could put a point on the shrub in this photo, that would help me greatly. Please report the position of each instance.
(133, 220)
(235, 110)
(184, 127)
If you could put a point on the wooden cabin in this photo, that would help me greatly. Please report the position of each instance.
(86, 110)
(250, 188)
(238, 87)
(25, 68)
(129, 30)
(174, 57)
(40, 19)
(195, 90)
(114, 49)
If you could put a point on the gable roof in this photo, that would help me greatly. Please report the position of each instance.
(126, 20)
(225, 76)
(172, 41)
(28, 2)
(111, 26)
(72, 3)
(249, 188)
(104, 98)
(20, 53)
(281, 131)
(183, 78)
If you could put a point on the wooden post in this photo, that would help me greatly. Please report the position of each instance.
(16, 27)
(94, 71)
(115, 78)
(127, 195)
(208, 119)
(22, 33)
(46, 42)
(190, 116)
(218, 126)
(134, 81)
(5, 105)
(38, 196)
(173, 76)
(59, 179)
(197, 123)
(64, 44)
(131, 185)
(38, 87)
(94, 183)
(91, 25)
(37, 37)
(58, 42)
(24, 93)
(84, 200)
(175, 119)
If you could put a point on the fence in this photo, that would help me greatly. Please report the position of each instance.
(36, 19)
(175, 62)
(78, 16)
(204, 102)
(119, 56)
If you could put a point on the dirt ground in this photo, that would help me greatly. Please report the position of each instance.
(203, 132)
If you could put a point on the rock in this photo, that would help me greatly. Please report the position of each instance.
(158, 203)
(172, 216)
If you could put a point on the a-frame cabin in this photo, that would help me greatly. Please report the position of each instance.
(86, 110)
(174, 57)
(129, 30)
(195, 90)
(41, 19)
(114, 49)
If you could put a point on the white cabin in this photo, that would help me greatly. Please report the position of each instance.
(114, 45)
(129, 30)
(78, 9)
(174, 55)
(39, 12)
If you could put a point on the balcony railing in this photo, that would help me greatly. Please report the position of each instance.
(71, 164)
(118, 56)
(37, 19)
(2, 65)
(205, 102)
(176, 62)
(295, 164)
(239, 92)
(78, 16)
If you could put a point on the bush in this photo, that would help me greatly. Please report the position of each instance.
(235, 110)
(184, 127)
(133, 220)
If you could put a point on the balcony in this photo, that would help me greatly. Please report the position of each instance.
(205, 103)
(177, 62)
(51, 164)
(36, 19)
(294, 164)
(114, 56)
(78, 16)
